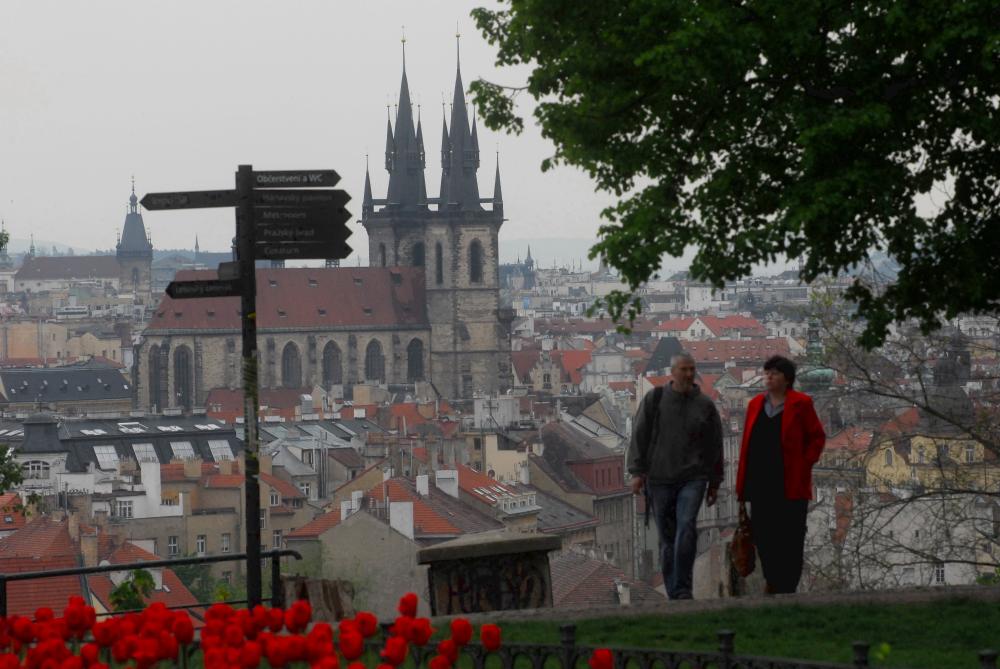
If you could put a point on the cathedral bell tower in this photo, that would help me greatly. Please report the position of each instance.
(453, 237)
(135, 254)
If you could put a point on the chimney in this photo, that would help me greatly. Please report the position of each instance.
(345, 509)
(447, 481)
(356, 500)
(624, 592)
(432, 454)
(307, 404)
(73, 526)
(524, 474)
(265, 464)
(192, 468)
(401, 518)
(225, 467)
(423, 485)
(88, 549)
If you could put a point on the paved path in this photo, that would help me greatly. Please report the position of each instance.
(667, 608)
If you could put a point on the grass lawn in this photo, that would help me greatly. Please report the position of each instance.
(945, 635)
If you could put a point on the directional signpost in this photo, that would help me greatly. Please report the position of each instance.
(273, 222)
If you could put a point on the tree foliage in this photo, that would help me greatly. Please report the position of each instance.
(132, 592)
(758, 128)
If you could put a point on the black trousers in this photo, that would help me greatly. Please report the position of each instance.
(779, 533)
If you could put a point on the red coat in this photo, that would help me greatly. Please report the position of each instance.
(802, 440)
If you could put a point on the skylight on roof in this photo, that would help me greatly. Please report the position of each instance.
(107, 457)
(169, 428)
(220, 450)
(207, 426)
(182, 450)
(145, 453)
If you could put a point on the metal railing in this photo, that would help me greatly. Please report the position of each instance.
(277, 594)
(568, 655)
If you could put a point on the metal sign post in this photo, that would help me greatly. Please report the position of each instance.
(299, 224)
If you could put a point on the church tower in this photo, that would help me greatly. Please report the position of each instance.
(454, 238)
(135, 254)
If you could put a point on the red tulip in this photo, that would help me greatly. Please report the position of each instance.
(234, 636)
(367, 624)
(421, 631)
(328, 662)
(357, 665)
(352, 645)
(439, 662)
(90, 652)
(250, 655)
(182, 628)
(449, 649)
(297, 616)
(72, 662)
(401, 627)
(43, 614)
(601, 659)
(461, 631)
(277, 656)
(489, 634)
(275, 620)
(394, 652)
(408, 605)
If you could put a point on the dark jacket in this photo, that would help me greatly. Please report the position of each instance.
(688, 438)
(802, 441)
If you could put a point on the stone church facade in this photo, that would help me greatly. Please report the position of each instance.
(454, 239)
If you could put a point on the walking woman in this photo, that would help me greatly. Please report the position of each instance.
(782, 440)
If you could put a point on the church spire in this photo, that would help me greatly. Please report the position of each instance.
(405, 158)
(462, 190)
(497, 195)
(367, 206)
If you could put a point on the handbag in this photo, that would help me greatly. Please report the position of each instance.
(742, 552)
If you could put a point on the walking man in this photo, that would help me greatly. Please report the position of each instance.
(676, 456)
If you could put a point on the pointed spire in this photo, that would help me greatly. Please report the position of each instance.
(497, 195)
(475, 138)
(461, 189)
(367, 206)
(390, 144)
(405, 158)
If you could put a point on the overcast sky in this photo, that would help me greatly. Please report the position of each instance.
(179, 93)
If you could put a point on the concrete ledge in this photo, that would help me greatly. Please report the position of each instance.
(488, 544)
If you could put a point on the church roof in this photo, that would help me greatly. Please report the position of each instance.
(319, 298)
(134, 238)
(68, 267)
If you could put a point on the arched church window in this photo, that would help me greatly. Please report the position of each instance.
(291, 366)
(381, 255)
(183, 378)
(333, 371)
(438, 264)
(374, 362)
(415, 361)
(476, 262)
(155, 389)
(418, 254)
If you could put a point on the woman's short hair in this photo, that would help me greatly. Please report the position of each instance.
(783, 365)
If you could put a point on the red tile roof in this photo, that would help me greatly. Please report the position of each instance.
(43, 544)
(737, 350)
(675, 325)
(524, 361)
(69, 267)
(173, 593)
(851, 438)
(365, 297)
(425, 519)
(174, 471)
(469, 479)
(284, 488)
(572, 363)
(8, 502)
(316, 526)
(223, 481)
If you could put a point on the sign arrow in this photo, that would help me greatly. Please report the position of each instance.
(196, 199)
(315, 214)
(302, 232)
(182, 290)
(333, 250)
(334, 198)
(296, 179)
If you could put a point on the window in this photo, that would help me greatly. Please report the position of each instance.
(182, 450)
(144, 453)
(201, 544)
(227, 577)
(123, 508)
(276, 539)
(333, 370)
(381, 255)
(225, 543)
(921, 456)
(220, 450)
(415, 361)
(107, 457)
(888, 457)
(374, 362)
(970, 453)
(418, 254)
(275, 498)
(183, 377)
(475, 262)
(438, 264)
(306, 489)
(291, 366)
(263, 519)
(172, 548)
(35, 469)
(939, 573)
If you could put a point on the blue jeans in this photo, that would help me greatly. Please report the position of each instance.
(675, 510)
